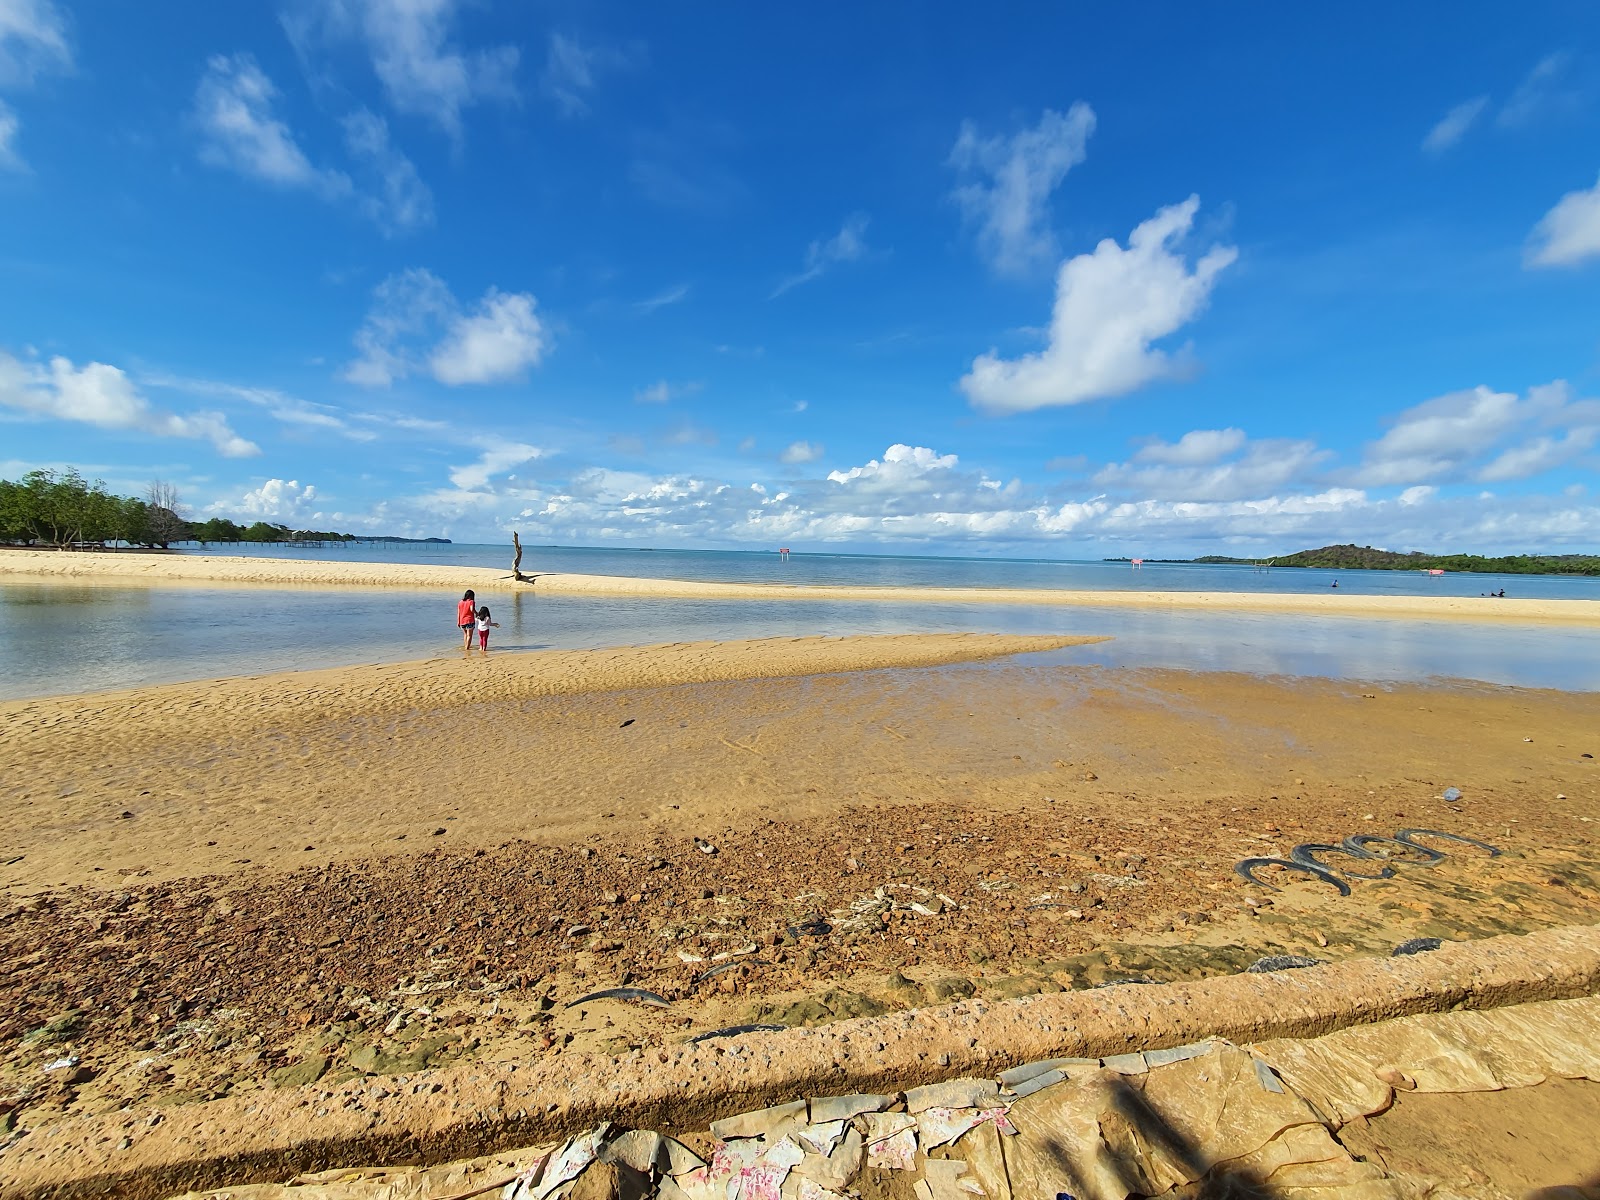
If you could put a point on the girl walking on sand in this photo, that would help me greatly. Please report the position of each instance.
(484, 625)
(466, 618)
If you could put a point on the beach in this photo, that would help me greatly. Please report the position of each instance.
(250, 875)
(216, 570)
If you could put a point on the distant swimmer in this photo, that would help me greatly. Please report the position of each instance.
(1335, 583)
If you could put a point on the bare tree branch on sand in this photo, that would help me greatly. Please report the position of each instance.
(516, 563)
(165, 522)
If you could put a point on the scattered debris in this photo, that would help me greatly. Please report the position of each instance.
(642, 995)
(1282, 962)
(1416, 946)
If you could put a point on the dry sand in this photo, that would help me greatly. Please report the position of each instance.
(153, 569)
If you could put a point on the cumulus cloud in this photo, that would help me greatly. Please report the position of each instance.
(1195, 448)
(1007, 182)
(497, 341)
(103, 396)
(1481, 434)
(848, 245)
(1539, 454)
(1194, 473)
(1436, 437)
(1569, 233)
(1111, 305)
(801, 452)
(411, 46)
(1270, 495)
(902, 466)
(33, 42)
(275, 500)
(1453, 126)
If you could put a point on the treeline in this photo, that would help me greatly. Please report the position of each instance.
(1365, 558)
(62, 509)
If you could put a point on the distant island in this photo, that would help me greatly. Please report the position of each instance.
(1350, 557)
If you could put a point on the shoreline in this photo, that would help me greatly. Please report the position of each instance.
(94, 569)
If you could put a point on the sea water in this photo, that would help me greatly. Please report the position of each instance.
(58, 637)
(889, 570)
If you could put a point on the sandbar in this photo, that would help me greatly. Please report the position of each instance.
(178, 569)
(219, 888)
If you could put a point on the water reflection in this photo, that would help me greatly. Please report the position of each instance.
(56, 639)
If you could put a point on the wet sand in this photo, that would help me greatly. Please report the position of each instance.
(177, 569)
(224, 886)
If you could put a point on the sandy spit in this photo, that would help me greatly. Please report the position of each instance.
(435, 683)
(123, 569)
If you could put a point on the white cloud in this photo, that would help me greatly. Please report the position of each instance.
(290, 410)
(235, 111)
(1007, 183)
(1271, 497)
(672, 295)
(496, 459)
(902, 466)
(410, 44)
(801, 452)
(498, 342)
(1193, 472)
(33, 42)
(570, 69)
(102, 396)
(1539, 92)
(848, 245)
(275, 500)
(406, 307)
(1569, 233)
(1195, 448)
(10, 159)
(403, 202)
(1453, 126)
(1437, 436)
(233, 107)
(414, 309)
(1539, 455)
(1111, 304)
(661, 392)
(1452, 437)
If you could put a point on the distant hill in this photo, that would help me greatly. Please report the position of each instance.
(1365, 558)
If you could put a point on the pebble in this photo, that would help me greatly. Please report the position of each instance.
(1396, 1078)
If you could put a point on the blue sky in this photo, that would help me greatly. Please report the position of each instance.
(1063, 280)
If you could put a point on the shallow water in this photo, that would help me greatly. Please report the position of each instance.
(884, 570)
(57, 638)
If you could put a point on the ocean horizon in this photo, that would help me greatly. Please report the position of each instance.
(857, 569)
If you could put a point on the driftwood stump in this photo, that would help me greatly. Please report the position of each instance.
(516, 563)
